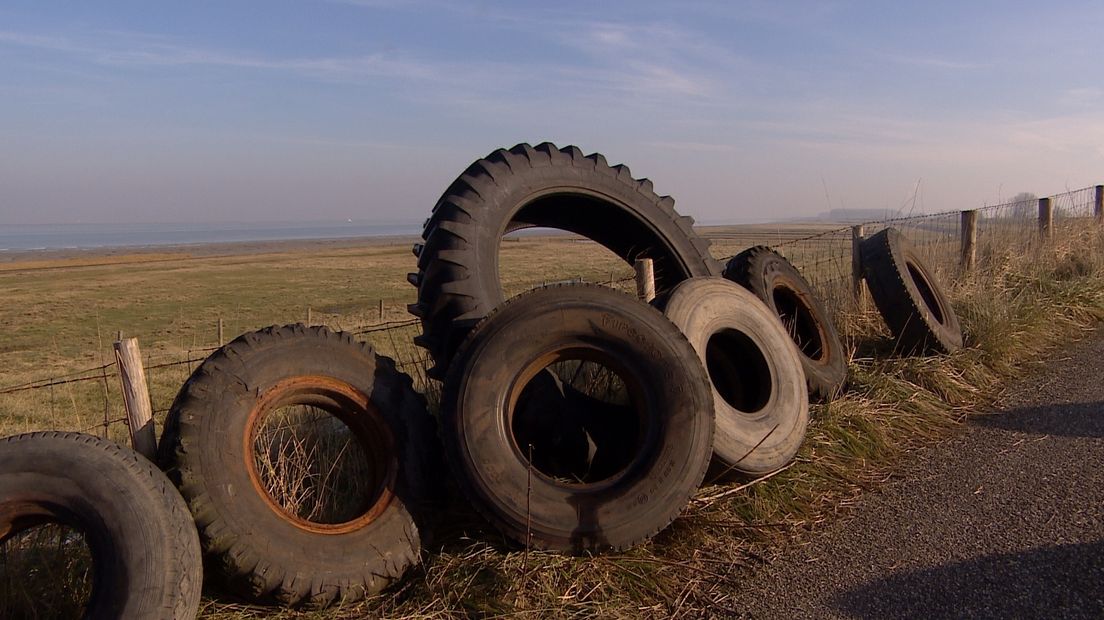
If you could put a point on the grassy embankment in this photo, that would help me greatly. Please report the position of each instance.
(1020, 304)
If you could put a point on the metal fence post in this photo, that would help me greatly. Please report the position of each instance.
(1046, 219)
(969, 239)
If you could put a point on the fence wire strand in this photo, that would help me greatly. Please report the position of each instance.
(824, 258)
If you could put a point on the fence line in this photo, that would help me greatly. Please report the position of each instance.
(824, 258)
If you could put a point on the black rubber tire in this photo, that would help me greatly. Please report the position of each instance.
(261, 552)
(525, 186)
(670, 391)
(756, 381)
(145, 552)
(914, 307)
(779, 284)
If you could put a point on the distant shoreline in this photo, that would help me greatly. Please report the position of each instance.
(216, 248)
(276, 246)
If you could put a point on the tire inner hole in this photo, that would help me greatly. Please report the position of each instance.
(46, 571)
(738, 370)
(314, 467)
(926, 292)
(577, 420)
(798, 320)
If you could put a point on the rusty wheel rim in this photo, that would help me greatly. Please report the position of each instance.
(356, 410)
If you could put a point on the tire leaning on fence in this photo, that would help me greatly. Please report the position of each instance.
(757, 385)
(281, 528)
(145, 553)
(907, 296)
(542, 186)
(779, 284)
(653, 393)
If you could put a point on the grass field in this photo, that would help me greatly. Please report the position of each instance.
(59, 317)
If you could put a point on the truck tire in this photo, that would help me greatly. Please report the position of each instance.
(263, 551)
(525, 186)
(779, 285)
(758, 387)
(913, 305)
(145, 552)
(666, 430)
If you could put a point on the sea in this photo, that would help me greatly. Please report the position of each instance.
(22, 238)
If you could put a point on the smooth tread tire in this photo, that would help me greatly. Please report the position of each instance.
(778, 284)
(542, 186)
(669, 395)
(145, 552)
(914, 307)
(262, 552)
(757, 384)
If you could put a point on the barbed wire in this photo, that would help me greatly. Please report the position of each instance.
(838, 263)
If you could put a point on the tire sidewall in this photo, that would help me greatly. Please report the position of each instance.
(614, 513)
(826, 374)
(233, 514)
(144, 548)
(762, 441)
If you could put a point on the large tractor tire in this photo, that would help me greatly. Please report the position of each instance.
(145, 553)
(758, 387)
(781, 287)
(911, 302)
(542, 186)
(651, 441)
(218, 448)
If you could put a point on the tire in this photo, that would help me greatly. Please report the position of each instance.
(778, 284)
(145, 552)
(262, 551)
(649, 474)
(758, 386)
(457, 278)
(913, 305)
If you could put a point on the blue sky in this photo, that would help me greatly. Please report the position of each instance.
(367, 109)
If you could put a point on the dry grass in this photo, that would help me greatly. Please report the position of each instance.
(1023, 303)
(45, 572)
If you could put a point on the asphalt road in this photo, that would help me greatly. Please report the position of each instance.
(1004, 520)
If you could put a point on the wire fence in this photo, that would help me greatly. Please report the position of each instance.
(90, 400)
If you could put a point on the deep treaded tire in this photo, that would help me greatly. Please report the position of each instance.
(145, 553)
(670, 403)
(912, 304)
(758, 387)
(261, 551)
(526, 186)
(779, 284)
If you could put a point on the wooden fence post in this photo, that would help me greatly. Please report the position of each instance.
(136, 398)
(221, 340)
(645, 279)
(1046, 219)
(969, 239)
(857, 233)
(381, 310)
(1098, 204)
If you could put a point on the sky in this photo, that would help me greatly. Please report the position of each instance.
(309, 110)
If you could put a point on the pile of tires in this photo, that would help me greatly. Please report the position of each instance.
(573, 417)
(576, 418)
